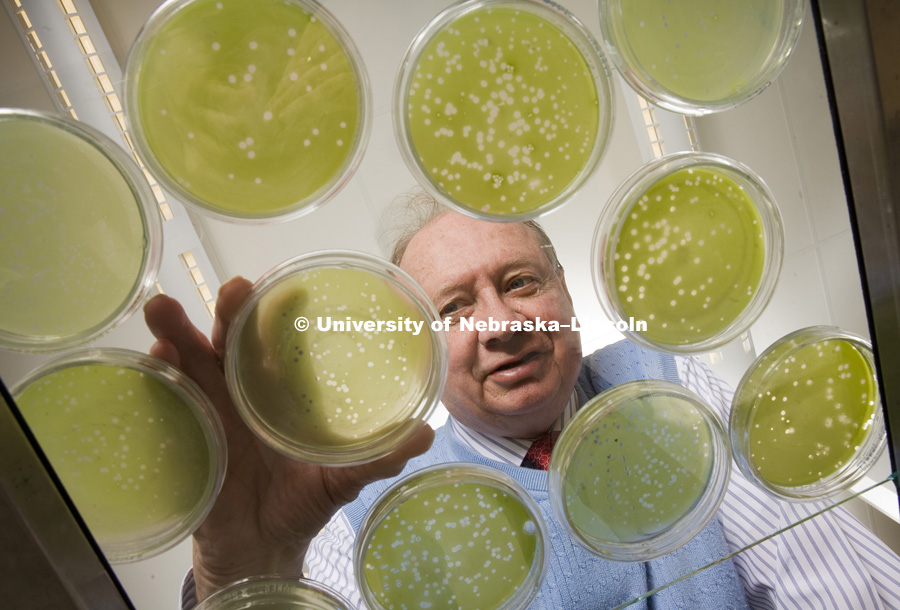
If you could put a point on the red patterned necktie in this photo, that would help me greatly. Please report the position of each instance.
(538, 455)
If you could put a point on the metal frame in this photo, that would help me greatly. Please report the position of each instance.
(860, 49)
(53, 561)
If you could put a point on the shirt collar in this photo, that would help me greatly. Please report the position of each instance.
(505, 449)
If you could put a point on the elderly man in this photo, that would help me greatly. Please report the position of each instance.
(503, 390)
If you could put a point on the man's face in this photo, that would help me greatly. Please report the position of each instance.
(499, 382)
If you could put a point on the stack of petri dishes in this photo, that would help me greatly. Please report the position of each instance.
(502, 108)
(136, 443)
(806, 420)
(701, 56)
(251, 111)
(80, 241)
(691, 244)
(639, 470)
(424, 543)
(334, 359)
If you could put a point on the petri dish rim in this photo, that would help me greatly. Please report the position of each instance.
(151, 223)
(583, 40)
(689, 524)
(644, 84)
(340, 259)
(439, 475)
(275, 589)
(739, 420)
(133, 64)
(623, 199)
(200, 405)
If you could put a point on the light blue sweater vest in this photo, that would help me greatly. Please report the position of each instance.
(577, 579)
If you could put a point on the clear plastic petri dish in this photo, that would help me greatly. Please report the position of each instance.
(81, 238)
(687, 252)
(275, 593)
(806, 420)
(334, 358)
(421, 543)
(701, 56)
(252, 111)
(136, 443)
(639, 471)
(502, 108)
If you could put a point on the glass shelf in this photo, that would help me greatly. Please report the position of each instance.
(820, 510)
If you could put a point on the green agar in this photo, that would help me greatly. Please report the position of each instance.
(129, 450)
(460, 545)
(333, 388)
(641, 468)
(689, 256)
(702, 50)
(72, 240)
(503, 111)
(811, 414)
(251, 106)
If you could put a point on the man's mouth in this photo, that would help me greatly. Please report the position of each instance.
(514, 370)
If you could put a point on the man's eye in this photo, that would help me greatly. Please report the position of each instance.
(448, 310)
(519, 282)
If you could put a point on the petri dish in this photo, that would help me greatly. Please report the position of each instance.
(701, 56)
(274, 592)
(690, 245)
(252, 111)
(806, 419)
(333, 359)
(454, 535)
(502, 108)
(136, 443)
(81, 239)
(639, 470)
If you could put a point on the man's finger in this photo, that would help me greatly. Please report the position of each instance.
(164, 350)
(232, 295)
(179, 341)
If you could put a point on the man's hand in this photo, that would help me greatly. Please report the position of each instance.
(270, 506)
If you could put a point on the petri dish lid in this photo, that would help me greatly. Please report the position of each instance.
(274, 592)
(334, 359)
(136, 443)
(806, 420)
(639, 471)
(81, 238)
(703, 56)
(250, 111)
(687, 252)
(437, 513)
(497, 132)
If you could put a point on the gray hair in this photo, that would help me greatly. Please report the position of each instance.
(415, 210)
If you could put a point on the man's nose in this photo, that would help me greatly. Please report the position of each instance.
(496, 315)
